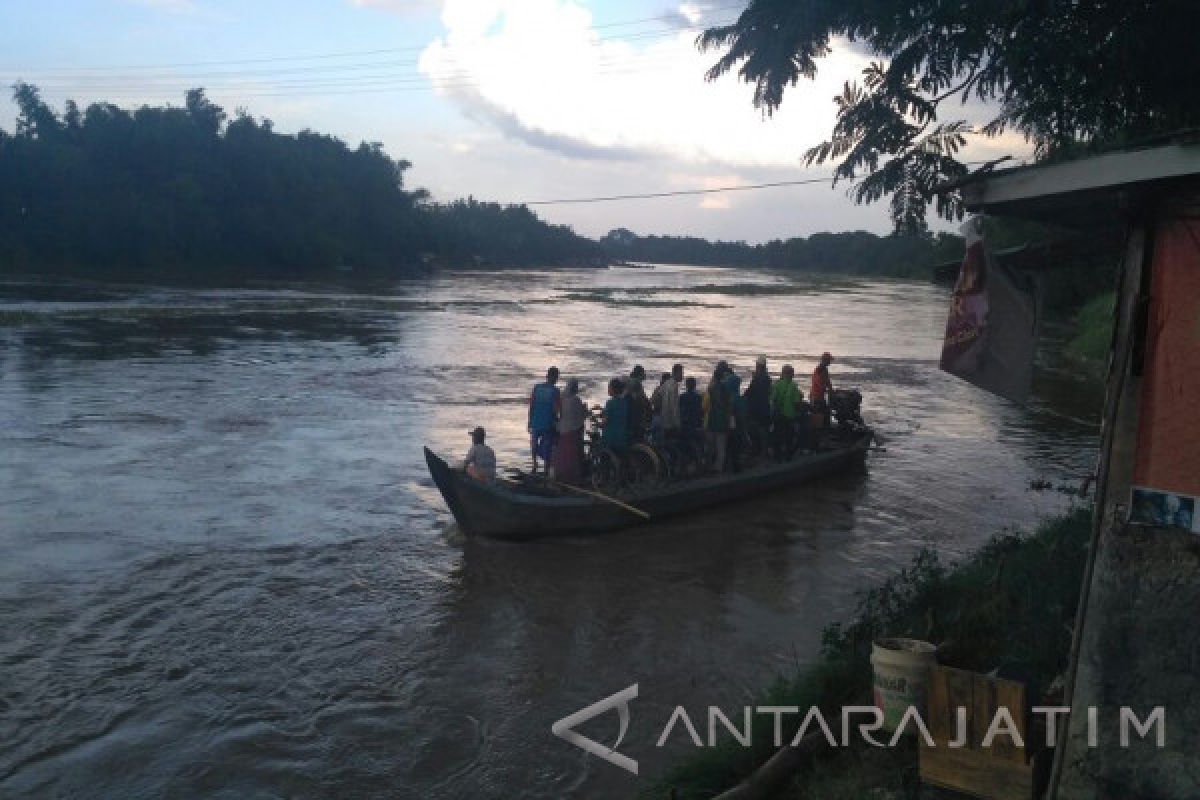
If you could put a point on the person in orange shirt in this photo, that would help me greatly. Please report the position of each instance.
(818, 394)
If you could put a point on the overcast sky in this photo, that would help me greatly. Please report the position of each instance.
(506, 100)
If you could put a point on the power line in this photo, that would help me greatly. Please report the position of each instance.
(317, 84)
(286, 82)
(155, 75)
(662, 19)
(677, 193)
(285, 78)
(686, 192)
(230, 62)
(327, 86)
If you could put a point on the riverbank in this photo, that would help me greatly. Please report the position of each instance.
(1011, 605)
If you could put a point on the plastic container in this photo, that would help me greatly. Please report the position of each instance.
(901, 678)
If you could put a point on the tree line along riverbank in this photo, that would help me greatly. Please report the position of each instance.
(188, 194)
(1010, 606)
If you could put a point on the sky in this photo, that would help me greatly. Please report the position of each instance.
(503, 100)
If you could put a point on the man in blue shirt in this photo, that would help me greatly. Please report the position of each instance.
(617, 411)
(544, 405)
(737, 435)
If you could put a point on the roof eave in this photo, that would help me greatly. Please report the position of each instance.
(1096, 187)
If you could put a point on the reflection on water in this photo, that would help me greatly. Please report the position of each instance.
(226, 572)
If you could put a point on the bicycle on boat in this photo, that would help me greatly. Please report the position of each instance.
(640, 465)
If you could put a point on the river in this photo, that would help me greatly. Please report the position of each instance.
(226, 572)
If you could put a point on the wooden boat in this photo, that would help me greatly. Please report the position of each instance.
(506, 510)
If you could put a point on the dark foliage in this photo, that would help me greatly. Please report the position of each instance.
(182, 194)
(1067, 74)
(856, 252)
(489, 234)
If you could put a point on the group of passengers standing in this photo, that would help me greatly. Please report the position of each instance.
(771, 416)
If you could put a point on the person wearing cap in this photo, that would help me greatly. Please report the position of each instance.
(758, 405)
(818, 393)
(567, 463)
(480, 462)
(544, 405)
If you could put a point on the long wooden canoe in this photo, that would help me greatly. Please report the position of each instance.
(504, 511)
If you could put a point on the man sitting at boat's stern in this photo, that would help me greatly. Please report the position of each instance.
(480, 462)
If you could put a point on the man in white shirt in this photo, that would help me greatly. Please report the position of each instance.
(480, 462)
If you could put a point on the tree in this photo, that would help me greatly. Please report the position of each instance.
(171, 193)
(856, 252)
(35, 119)
(1064, 73)
(205, 113)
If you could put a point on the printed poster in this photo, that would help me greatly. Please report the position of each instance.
(992, 330)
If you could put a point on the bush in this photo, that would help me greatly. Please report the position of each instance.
(1093, 330)
(1010, 605)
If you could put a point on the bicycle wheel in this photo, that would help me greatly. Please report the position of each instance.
(645, 466)
(672, 460)
(604, 470)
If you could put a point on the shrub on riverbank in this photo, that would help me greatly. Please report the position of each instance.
(1093, 331)
(1011, 605)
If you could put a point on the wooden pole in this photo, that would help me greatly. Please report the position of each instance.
(600, 496)
(766, 780)
(1114, 467)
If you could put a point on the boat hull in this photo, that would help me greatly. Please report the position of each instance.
(499, 512)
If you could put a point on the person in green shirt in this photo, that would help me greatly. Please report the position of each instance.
(786, 398)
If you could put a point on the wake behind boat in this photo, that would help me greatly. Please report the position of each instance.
(529, 509)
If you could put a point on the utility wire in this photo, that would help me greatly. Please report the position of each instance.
(284, 82)
(662, 18)
(326, 86)
(313, 85)
(677, 193)
(686, 192)
(284, 79)
(236, 73)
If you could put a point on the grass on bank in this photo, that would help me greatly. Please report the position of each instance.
(1011, 605)
(1093, 331)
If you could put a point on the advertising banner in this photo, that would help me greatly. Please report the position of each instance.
(991, 334)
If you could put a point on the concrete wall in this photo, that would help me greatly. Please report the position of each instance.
(1141, 648)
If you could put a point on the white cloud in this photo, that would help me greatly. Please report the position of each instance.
(397, 6)
(563, 108)
(691, 12)
(538, 71)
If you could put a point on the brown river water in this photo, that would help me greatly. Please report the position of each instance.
(226, 573)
